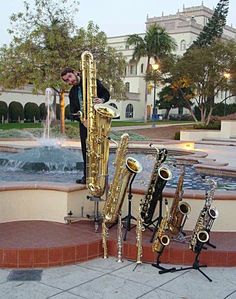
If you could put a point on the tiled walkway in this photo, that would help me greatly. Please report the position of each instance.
(28, 244)
(105, 279)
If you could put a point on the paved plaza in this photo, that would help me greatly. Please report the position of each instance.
(101, 278)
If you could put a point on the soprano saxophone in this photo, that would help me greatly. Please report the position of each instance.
(139, 239)
(205, 221)
(179, 209)
(159, 177)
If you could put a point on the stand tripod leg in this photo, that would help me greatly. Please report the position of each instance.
(127, 219)
(157, 265)
(195, 266)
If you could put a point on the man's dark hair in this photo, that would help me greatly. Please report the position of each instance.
(67, 70)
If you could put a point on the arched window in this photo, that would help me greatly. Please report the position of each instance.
(183, 45)
(113, 105)
(129, 112)
(142, 66)
(127, 86)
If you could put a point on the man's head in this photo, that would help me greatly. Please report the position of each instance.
(70, 76)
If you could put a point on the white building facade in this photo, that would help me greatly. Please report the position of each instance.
(183, 27)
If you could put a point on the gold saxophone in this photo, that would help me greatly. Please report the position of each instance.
(205, 221)
(139, 234)
(125, 169)
(179, 209)
(98, 119)
(159, 177)
(161, 239)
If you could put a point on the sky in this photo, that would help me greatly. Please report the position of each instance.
(114, 17)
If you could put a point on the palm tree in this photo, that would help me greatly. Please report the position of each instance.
(155, 44)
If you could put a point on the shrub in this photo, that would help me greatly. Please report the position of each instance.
(16, 112)
(58, 111)
(31, 112)
(67, 112)
(213, 125)
(177, 135)
(42, 111)
(3, 110)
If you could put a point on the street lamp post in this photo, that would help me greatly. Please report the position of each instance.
(155, 68)
(227, 76)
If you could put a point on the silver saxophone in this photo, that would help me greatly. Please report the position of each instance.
(205, 220)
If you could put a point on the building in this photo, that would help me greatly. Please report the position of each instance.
(183, 27)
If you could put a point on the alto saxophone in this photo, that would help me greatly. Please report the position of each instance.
(98, 119)
(159, 177)
(161, 239)
(179, 209)
(205, 221)
(125, 169)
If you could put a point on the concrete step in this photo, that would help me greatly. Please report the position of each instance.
(220, 139)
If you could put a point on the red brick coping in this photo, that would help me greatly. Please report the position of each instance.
(38, 244)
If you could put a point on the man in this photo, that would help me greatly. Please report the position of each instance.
(74, 78)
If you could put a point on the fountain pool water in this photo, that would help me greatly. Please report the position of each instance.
(60, 164)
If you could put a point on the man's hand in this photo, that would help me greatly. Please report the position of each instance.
(84, 122)
(98, 101)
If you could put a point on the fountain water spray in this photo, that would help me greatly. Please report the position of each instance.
(50, 112)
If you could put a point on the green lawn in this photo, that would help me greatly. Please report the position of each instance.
(18, 126)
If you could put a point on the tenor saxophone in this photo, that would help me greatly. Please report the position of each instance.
(161, 239)
(179, 209)
(159, 177)
(125, 168)
(98, 118)
(205, 221)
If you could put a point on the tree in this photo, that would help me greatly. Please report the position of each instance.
(156, 44)
(45, 40)
(170, 97)
(214, 27)
(204, 69)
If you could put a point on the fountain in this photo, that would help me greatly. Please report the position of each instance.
(37, 184)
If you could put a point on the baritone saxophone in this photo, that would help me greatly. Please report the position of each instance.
(159, 177)
(125, 168)
(98, 118)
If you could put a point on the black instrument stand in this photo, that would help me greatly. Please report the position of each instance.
(156, 222)
(127, 219)
(158, 262)
(195, 266)
(97, 216)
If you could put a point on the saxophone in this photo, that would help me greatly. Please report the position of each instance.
(139, 234)
(179, 209)
(205, 221)
(98, 119)
(161, 239)
(159, 177)
(125, 169)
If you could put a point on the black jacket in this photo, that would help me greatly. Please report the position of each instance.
(102, 93)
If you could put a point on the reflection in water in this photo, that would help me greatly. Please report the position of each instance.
(57, 164)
